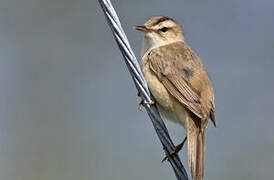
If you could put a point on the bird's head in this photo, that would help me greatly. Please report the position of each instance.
(161, 30)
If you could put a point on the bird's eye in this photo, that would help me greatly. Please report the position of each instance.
(164, 29)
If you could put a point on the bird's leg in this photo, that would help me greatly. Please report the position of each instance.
(144, 103)
(177, 149)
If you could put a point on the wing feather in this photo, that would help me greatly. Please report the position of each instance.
(170, 73)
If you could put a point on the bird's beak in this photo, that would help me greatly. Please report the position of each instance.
(142, 29)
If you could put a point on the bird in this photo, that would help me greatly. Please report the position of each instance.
(180, 85)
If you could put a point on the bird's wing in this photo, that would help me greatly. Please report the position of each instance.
(212, 114)
(173, 65)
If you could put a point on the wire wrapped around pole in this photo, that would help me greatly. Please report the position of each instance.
(141, 85)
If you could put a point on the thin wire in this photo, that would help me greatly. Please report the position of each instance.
(141, 85)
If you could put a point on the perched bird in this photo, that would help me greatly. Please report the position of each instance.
(179, 83)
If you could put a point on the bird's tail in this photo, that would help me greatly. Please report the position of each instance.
(196, 148)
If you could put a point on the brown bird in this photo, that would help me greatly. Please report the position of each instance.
(180, 85)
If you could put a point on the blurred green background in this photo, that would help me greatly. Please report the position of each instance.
(68, 107)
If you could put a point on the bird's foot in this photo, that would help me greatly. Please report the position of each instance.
(144, 103)
(176, 150)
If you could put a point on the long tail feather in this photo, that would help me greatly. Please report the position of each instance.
(196, 148)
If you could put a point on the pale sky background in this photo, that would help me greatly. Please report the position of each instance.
(68, 108)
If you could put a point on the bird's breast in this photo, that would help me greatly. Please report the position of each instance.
(168, 106)
(157, 89)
